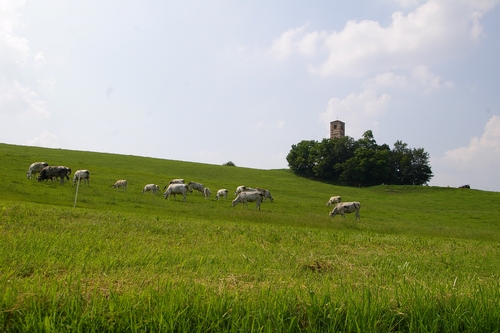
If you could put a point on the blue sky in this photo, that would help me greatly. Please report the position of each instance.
(218, 81)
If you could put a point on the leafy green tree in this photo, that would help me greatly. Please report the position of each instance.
(410, 166)
(299, 159)
(421, 171)
(328, 153)
(367, 167)
(362, 162)
(401, 163)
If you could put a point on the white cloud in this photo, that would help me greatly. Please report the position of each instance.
(421, 79)
(295, 41)
(46, 84)
(16, 98)
(46, 139)
(434, 32)
(360, 111)
(21, 101)
(13, 48)
(40, 59)
(477, 164)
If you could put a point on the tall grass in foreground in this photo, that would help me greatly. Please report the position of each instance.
(79, 270)
(194, 308)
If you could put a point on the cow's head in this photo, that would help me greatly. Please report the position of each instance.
(334, 212)
(43, 175)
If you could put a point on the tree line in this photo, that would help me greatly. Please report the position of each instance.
(360, 163)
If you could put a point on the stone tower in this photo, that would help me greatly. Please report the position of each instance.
(337, 129)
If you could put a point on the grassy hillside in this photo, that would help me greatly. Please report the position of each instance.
(421, 257)
(433, 211)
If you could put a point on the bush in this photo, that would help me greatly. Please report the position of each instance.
(229, 163)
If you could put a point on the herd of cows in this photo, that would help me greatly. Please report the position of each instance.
(243, 194)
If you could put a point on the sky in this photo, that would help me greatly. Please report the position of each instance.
(242, 81)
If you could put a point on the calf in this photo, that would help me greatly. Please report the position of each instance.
(82, 174)
(221, 193)
(195, 186)
(346, 207)
(239, 189)
(153, 188)
(120, 183)
(35, 168)
(206, 192)
(50, 172)
(333, 200)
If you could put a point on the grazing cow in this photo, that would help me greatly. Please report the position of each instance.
(239, 189)
(174, 181)
(196, 186)
(266, 193)
(465, 186)
(176, 189)
(221, 193)
(333, 200)
(346, 207)
(50, 172)
(35, 168)
(207, 193)
(82, 174)
(249, 196)
(151, 187)
(120, 183)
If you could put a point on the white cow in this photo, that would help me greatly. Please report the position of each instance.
(333, 200)
(121, 183)
(207, 192)
(266, 193)
(82, 175)
(176, 189)
(346, 207)
(221, 193)
(249, 196)
(196, 186)
(239, 189)
(35, 168)
(153, 188)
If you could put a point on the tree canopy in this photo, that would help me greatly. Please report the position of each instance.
(360, 163)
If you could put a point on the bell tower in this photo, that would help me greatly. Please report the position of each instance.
(337, 129)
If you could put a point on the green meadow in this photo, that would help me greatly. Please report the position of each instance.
(422, 259)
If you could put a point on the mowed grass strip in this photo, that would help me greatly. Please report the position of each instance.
(421, 257)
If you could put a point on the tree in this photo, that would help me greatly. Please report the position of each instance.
(401, 163)
(299, 158)
(361, 162)
(421, 171)
(410, 166)
(367, 167)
